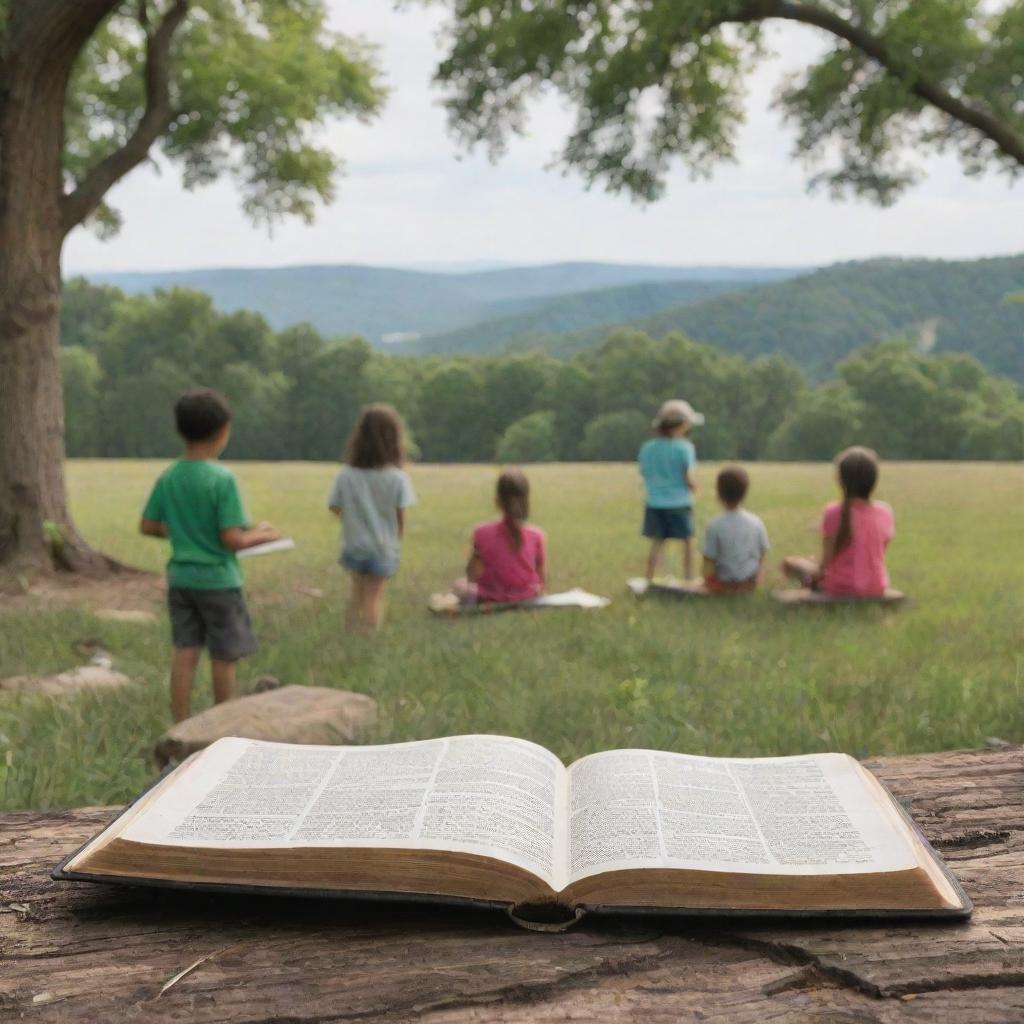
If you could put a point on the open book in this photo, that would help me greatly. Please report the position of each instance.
(503, 821)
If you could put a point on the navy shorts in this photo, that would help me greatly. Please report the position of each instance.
(369, 565)
(216, 619)
(668, 523)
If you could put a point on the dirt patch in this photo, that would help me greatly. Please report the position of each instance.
(57, 591)
(125, 597)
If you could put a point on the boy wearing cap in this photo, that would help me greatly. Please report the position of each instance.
(667, 462)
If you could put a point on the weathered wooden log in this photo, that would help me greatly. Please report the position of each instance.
(73, 953)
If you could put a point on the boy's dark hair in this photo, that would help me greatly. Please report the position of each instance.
(858, 474)
(732, 485)
(514, 501)
(378, 438)
(200, 413)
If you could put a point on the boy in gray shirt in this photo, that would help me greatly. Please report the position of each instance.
(736, 541)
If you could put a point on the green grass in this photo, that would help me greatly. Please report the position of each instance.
(741, 677)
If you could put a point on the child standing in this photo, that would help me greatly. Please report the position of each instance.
(508, 559)
(667, 462)
(371, 495)
(197, 506)
(736, 541)
(855, 533)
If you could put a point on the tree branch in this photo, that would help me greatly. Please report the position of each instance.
(155, 120)
(1007, 140)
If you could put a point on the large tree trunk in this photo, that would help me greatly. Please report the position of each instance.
(36, 531)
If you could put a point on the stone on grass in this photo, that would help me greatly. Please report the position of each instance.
(92, 678)
(125, 615)
(291, 714)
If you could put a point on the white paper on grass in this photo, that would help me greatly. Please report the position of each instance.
(282, 544)
(575, 598)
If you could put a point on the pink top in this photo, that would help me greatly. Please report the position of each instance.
(508, 574)
(859, 569)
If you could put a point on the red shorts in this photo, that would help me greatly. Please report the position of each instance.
(716, 586)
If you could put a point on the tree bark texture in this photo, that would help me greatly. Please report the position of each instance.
(36, 530)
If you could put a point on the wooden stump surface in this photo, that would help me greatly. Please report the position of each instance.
(108, 953)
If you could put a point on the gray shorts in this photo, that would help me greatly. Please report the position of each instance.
(216, 619)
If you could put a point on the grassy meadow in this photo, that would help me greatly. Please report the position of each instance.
(725, 677)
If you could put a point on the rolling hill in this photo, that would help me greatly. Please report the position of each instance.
(821, 317)
(573, 312)
(380, 302)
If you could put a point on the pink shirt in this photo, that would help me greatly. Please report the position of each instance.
(859, 569)
(508, 574)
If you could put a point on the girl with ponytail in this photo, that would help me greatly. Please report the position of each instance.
(855, 533)
(508, 559)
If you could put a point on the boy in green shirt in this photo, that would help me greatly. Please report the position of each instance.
(196, 505)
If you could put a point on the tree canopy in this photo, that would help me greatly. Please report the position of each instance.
(296, 394)
(220, 87)
(654, 80)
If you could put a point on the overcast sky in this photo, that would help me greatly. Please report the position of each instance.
(408, 198)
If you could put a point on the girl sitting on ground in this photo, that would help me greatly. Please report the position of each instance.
(855, 533)
(371, 495)
(507, 563)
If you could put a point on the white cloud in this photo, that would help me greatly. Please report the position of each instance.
(410, 197)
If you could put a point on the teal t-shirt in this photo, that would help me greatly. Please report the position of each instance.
(664, 463)
(196, 500)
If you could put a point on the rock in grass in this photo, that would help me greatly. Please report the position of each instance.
(65, 684)
(125, 615)
(291, 714)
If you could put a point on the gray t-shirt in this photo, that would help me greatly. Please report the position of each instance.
(369, 500)
(735, 541)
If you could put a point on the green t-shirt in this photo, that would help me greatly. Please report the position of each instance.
(196, 500)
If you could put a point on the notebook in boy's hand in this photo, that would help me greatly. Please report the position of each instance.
(267, 548)
(501, 821)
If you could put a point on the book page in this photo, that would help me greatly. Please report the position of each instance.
(267, 548)
(487, 795)
(575, 598)
(775, 815)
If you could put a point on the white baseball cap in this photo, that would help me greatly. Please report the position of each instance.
(676, 411)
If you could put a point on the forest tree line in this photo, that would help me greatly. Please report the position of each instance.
(296, 394)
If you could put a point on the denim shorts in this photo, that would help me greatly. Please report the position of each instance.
(369, 565)
(668, 523)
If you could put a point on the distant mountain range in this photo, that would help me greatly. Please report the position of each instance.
(816, 317)
(596, 308)
(384, 304)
